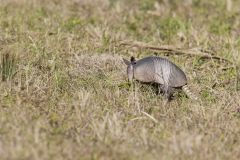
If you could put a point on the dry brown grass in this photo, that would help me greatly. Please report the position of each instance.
(67, 96)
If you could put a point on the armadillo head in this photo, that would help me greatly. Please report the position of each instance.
(130, 65)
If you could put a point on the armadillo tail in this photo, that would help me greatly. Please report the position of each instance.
(187, 91)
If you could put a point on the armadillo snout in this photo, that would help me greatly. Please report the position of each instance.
(130, 72)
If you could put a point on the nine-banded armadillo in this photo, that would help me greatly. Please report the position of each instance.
(158, 70)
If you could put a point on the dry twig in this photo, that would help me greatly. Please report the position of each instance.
(179, 51)
(151, 117)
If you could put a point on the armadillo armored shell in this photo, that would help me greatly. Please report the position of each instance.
(159, 70)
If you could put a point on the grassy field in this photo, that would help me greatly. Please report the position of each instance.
(64, 91)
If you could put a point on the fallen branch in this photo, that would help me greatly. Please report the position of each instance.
(151, 117)
(178, 51)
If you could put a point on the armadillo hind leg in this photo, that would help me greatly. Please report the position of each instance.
(160, 89)
(167, 92)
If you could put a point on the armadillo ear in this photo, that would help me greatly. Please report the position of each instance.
(126, 61)
(133, 60)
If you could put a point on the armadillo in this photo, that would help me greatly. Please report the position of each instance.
(158, 70)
